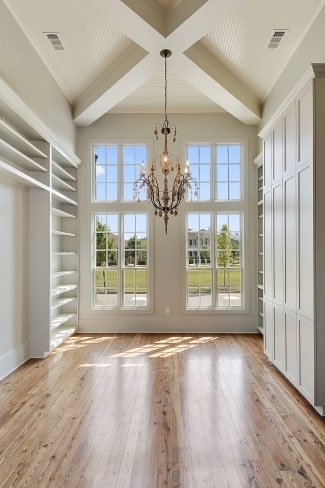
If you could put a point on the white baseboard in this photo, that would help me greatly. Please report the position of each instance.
(12, 359)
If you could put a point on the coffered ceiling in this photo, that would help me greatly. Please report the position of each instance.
(226, 54)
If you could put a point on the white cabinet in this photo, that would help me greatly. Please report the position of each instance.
(49, 171)
(294, 236)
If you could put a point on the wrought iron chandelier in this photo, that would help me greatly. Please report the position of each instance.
(167, 197)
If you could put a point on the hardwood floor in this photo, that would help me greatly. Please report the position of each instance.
(157, 411)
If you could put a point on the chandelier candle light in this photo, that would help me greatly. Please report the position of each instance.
(166, 199)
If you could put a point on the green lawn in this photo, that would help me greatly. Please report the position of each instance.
(134, 278)
(198, 279)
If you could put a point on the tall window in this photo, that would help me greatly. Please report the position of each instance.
(121, 255)
(214, 230)
(120, 243)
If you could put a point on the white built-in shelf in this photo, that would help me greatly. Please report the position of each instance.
(60, 197)
(62, 213)
(65, 161)
(260, 215)
(62, 172)
(62, 301)
(61, 319)
(21, 177)
(13, 155)
(58, 290)
(60, 334)
(63, 185)
(62, 233)
(63, 273)
(260, 328)
(15, 139)
(33, 156)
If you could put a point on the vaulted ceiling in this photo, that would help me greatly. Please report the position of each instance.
(226, 54)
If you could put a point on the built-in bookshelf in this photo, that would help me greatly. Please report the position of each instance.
(260, 254)
(49, 172)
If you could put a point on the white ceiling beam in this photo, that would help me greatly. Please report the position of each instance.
(210, 77)
(198, 67)
(187, 29)
(113, 86)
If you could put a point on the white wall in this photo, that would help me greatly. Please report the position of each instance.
(13, 275)
(167, 250)
(22, 69)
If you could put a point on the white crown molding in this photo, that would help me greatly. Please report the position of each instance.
(314, 70)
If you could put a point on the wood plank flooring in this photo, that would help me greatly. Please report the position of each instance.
(157, 411)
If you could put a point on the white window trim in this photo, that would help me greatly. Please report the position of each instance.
(226, 207)
(94, 207)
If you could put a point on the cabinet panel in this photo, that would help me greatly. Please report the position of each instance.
(305, 125)
(279, 337)
(306, 357)
(289, 127)
(268, 329)
(268, 161)
(277, 152)
(305, 242)
(277, 213)
(291, 366)
(268, 245)
(302, 232)
(290, 243)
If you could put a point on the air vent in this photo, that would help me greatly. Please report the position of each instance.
(54, 40)
(276, 38)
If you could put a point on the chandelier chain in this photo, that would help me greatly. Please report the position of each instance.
(167, 197)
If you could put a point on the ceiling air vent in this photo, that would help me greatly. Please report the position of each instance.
(54, 40)
(276, 38)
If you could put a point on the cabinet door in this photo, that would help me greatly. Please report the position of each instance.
(277, 233)
(291, 366)
(268, 161)
(289, 128)
(277, 152)
(306, 357)
(290, 244)
(279, 337)
(305, 242)
(305, 125)
(268, 329)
